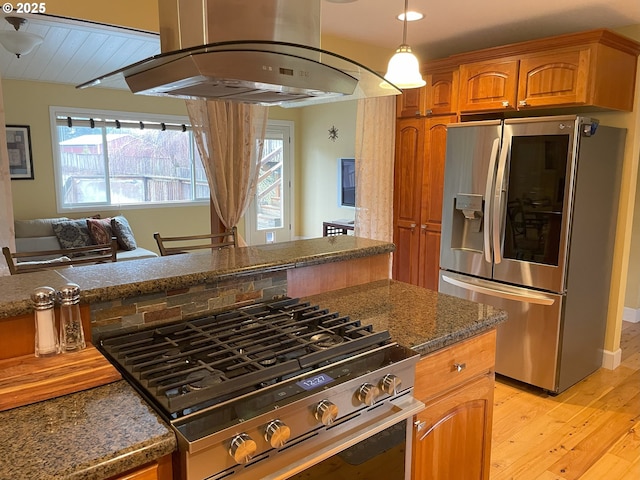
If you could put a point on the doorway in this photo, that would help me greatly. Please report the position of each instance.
(269, 216)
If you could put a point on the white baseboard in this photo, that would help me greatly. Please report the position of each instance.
(631, 314)
(611, 360)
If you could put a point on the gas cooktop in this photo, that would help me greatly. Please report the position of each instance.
(193, 365)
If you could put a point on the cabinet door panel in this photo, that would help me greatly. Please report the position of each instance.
(554, 79)
(490, 85)
(407, 198)
(411, 103)
(433, 178)
(452, 436)
(442, 93)
(429, 274)
(432, 191)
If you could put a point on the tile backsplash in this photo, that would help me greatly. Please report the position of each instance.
(139, 312)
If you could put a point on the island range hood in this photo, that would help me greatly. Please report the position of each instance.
(256, 51)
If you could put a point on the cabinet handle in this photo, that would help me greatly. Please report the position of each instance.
(459, 366)
(428, 113)
(505, 104)
(413, 227)
(419, 425)
(417, 113)
(522, 103)
(423, 227)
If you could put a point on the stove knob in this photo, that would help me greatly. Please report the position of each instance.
(326, 412)
(368, 393)
(242, 448)
(390, 384)
(277, 433)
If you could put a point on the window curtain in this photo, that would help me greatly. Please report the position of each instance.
(375, 147)
(7, 238)
(230, 137)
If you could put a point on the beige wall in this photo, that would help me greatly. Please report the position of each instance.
(27, 103)
(318, 188)
(315, 158)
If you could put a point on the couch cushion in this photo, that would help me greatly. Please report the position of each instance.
(72, 233)
(40, 227)
(37, 244)
(100, 230)
(135, 254)
(124, 234)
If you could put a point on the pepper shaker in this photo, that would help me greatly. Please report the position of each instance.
(46, 342)
(71, 333)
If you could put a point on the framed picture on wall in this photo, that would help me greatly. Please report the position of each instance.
(19, 148)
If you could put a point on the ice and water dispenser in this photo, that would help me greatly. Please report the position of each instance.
(468, 216)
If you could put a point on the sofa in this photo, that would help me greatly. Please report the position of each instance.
(43, 234)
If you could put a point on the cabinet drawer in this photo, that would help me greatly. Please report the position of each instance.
(454, 365)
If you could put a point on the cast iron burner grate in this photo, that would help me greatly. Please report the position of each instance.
(194, 364)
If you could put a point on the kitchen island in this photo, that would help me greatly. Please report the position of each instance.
(106, 431)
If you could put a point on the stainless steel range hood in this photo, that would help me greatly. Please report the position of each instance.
(256, 51)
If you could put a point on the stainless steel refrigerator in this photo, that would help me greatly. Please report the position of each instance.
(528, 226)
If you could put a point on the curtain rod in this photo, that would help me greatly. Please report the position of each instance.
(93, 123)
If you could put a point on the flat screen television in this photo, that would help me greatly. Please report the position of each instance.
(347, 182)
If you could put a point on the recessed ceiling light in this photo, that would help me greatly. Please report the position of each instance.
(411, 16)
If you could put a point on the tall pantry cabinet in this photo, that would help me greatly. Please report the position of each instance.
(423, 115)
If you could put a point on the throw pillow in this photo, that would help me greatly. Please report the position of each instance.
(72, 233)
(122, 231)
(100, 230)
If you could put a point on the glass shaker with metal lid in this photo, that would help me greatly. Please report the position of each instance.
(46, 341)
(71, 332)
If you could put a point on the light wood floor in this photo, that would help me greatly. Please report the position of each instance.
(589, 432)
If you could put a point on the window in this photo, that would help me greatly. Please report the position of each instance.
(113, 159)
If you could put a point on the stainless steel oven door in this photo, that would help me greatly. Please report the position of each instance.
(339, 447)
(383, 455)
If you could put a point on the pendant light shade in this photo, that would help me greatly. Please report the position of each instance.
(17, 42)
(403, 70)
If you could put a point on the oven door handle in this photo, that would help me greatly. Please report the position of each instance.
(405, 408)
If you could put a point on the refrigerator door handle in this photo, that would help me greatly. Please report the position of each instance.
(488, 196)
(497, 205)
(529, 298)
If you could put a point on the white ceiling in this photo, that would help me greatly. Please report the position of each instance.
(74, 52)
(455, 26)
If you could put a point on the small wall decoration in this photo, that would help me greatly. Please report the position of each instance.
(333, 133)
(19, 148)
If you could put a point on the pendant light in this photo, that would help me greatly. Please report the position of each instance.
(404, 70)
(16, 41)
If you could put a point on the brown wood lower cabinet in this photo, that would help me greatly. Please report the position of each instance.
(452, 435)
(160, 469)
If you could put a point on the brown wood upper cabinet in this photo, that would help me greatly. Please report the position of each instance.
(438, 97)
(594, 69)
(489, 85)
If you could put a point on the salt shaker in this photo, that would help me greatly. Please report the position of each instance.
(46, 336)
(71, 333)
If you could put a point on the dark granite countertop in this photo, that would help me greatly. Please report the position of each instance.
(126, 279)
(415, 317)
(94, 434)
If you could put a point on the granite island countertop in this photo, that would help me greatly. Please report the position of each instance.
(90, 435)
(415, 317)
(126, 279)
